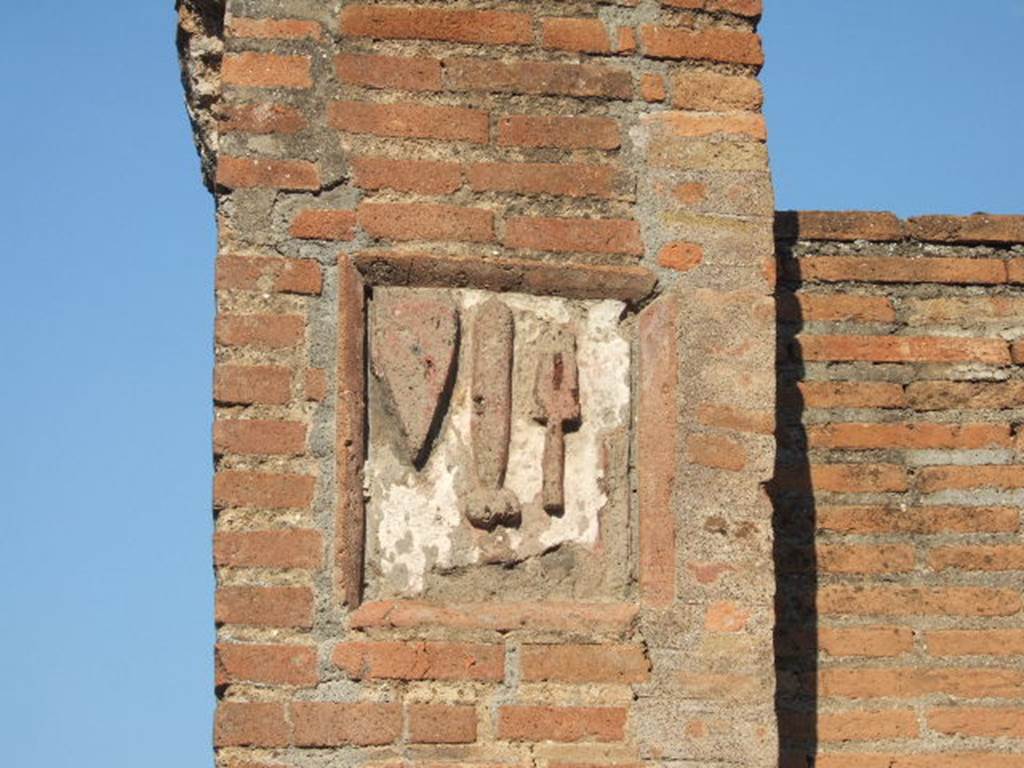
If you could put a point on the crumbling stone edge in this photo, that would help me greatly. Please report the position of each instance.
(200, 44)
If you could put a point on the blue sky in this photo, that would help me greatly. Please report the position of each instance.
(106, 324)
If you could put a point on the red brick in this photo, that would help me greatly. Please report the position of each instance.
(879, 641)
(324, 225)
(266, 70)
(979, 228)
(559, 132)
(657, 441)
(337, 724)
(411, 121)
(427, 177)
(413, 221)
(250, 384)
(272, 29)
(262, 331)
(713, 44)
(265, 606)
(258, 273)
(316, 384)
(900, 269)
(442, 724)
(241, 488)
(690, 193)
(609, 663)
(909, 683)
(975, 642)
(726, 616)
(995, 557)
(652, 88)
(942, 478)
(917, 601)
(923, 760)
(697, 124)
(259, 437)
(267, 664)
(244, 173)
(752, 420)
(840, 225)
(421, 660)
(1017, 352)
(830, 307)
(394, 72)
(350, 428)
(566, 724)
(285, 548)
(596, 618)
(571, 180)
(858, 478)
(574, 280)
(904, 349)
(626, 42)
(867, 725)
(956, 395)
(738, 7)
(714, 92)
(865, 558)
(250, 724)
(958, 309)
(681, 256)
(909, 436)
(261, 118)
(614, 236)
(1015, 271)
(716, 451)
(583, 35)
(918, 520)
(538, 77)
(988, 722)
(852, 394)
(459, 26)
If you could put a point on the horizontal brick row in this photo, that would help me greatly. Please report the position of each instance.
(845, 226)
(923, 396)
(901, 349)
(337, 724)
(432, 177)
(873, 477)
(890, 641)
(580, 35)
(896, 269)
(408, 222)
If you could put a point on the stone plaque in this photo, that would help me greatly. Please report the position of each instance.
(497, 464)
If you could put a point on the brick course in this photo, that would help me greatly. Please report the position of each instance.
(899, 393)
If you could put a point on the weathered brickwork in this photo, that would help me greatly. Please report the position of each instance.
(898, 504)
(598, 149)
(811, 551)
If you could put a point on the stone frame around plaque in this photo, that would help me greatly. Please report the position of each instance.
(359, 276)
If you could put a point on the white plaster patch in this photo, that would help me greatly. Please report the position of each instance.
(419, 520)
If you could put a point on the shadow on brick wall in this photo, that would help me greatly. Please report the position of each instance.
(794, 523)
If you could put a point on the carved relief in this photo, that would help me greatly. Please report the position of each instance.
(490, 504)
(498, 435)
(557, 402)
(415, 339)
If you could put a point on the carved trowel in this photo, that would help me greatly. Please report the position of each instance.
(557, 398)
(413, 351)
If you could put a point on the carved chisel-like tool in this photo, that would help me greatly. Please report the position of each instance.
(557, 398)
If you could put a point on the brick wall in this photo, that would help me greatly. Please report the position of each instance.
(580, 149)
(899, 546)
